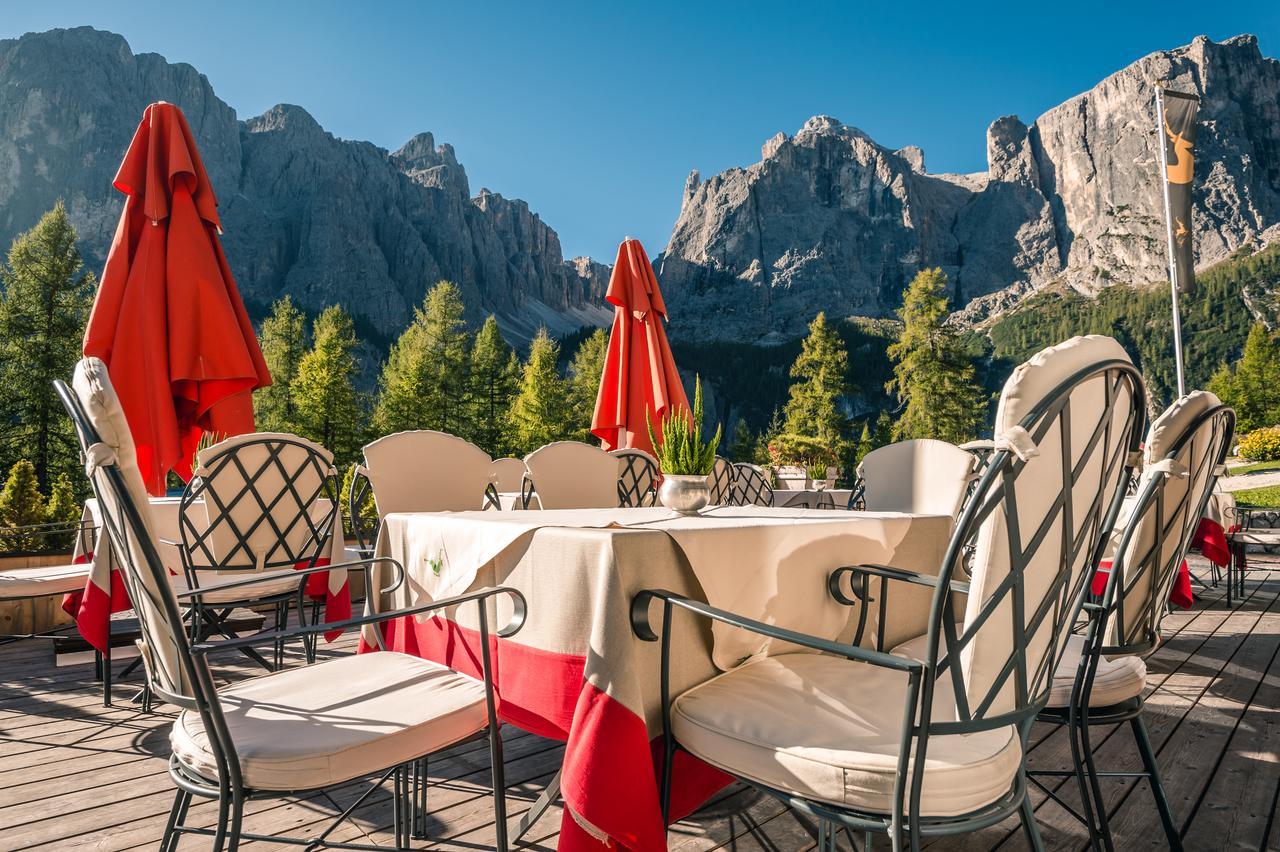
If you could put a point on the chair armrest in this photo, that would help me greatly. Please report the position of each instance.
(301, 572)
(641, 627)
(510, 629)
(885, 572)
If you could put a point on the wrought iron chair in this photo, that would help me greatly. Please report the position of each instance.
(720, 482)
(638, 478)
(1102, 676)
(934, 743)
(570, 475)
(921, 475)
(295, 732)
(426, 471)
(506, 476)
(264, 503)
(364, 529)
(750, 486)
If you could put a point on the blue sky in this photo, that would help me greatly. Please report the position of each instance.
(595, 112)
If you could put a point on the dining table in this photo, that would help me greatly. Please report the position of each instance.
(105, 594)
(576, 673)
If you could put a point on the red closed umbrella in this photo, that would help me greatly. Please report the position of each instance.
(168, 320)
(639, 373)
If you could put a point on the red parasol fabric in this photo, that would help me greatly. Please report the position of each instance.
(639, 373)
(168, 320)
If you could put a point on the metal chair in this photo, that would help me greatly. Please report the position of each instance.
(364, 530)
(264, 503)
(638, 478)
(296, 732)
(570, 475)
(1102, 677)
(935, 741)
(750, 486)
(426, 471)
(922, 476)
(720, 482)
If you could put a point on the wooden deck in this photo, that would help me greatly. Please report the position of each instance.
(75, 775)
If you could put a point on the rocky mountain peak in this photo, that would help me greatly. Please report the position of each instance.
(429, 165)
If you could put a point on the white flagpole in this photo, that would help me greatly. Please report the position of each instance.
(1168, 221)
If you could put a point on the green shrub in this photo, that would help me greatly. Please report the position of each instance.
(1261, 444)
(681, 452)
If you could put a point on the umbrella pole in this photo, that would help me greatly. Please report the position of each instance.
(1168, 223)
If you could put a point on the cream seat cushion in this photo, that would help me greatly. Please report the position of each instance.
(307, 728)
(1118, 679)
(43, 580)
(829, 729)
(270, 583)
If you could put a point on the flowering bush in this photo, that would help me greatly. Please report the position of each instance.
(1261, 444)
(801, 451)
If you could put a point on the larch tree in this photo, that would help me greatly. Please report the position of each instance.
(328, 408)
(1252, 385)
(21, 505)
(743, 447)
(819, 372)
(540, 412)
(424, 382)
(585, 371)
(45, 299)
(933, 378)
(495, 380)
(283, 342)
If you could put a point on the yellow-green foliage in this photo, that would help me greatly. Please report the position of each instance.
(1261, 444)
(681, 451)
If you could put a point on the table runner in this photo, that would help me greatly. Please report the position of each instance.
(576, 672)
(105, 594)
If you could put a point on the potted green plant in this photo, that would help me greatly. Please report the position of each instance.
(683, 457)
(821, 475)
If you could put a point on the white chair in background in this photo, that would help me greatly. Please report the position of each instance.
(921, 476)
(571, 475)
(507, 474)
(426, 471)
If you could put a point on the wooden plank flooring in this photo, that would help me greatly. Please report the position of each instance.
(76, 775)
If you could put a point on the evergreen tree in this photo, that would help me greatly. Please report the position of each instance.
(21, 506)
(1252, 386)
(328, 408)
(63, 510)
(283, 343)
(813, 409)
(882, 434)
(866, 443)
(932, 375)
(45, 300)
(424, 382)
(585, 371)
(540, 411)
(495, 379)
(743, 447)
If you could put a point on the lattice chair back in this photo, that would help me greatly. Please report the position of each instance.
(923, 476)
(1067, 428)
(507, 474)
(1182, 456)
(125, 510)
(720, 482)
(638, 478)
(750, 486)
(360, 507)
(258, 502)
(571, 475)
(426, 471)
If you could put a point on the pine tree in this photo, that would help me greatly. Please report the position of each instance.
(932, 376)
(283, 342)
(882, 434)
(585, 371)
(866, 443)
(328, 408)
(21, 506)
(540, 411)
(424, 382)
(813, 409)
(1252, 386)
(45, 300)
(495, 380)
(62, 510)
(743, 448)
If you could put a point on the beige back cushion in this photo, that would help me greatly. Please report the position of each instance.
(507, 474)
(1157, 547)
(291, 478)
(161, 640)
(573, 475)
(1040, 483)
(923, 476)
(426, 471)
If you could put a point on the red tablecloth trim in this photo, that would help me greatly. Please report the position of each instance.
(1211, 540)
(1180, 595)
(611, 765)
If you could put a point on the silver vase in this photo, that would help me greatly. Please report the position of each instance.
(684, 494)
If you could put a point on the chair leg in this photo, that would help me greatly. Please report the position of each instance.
(499, 788)
(1157, 787)
(420, 776)
(169, 842)
(106, 672)
(237, 817)
(1084, 780)
(1029, 826)
(224, 817)
(1099, 804)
